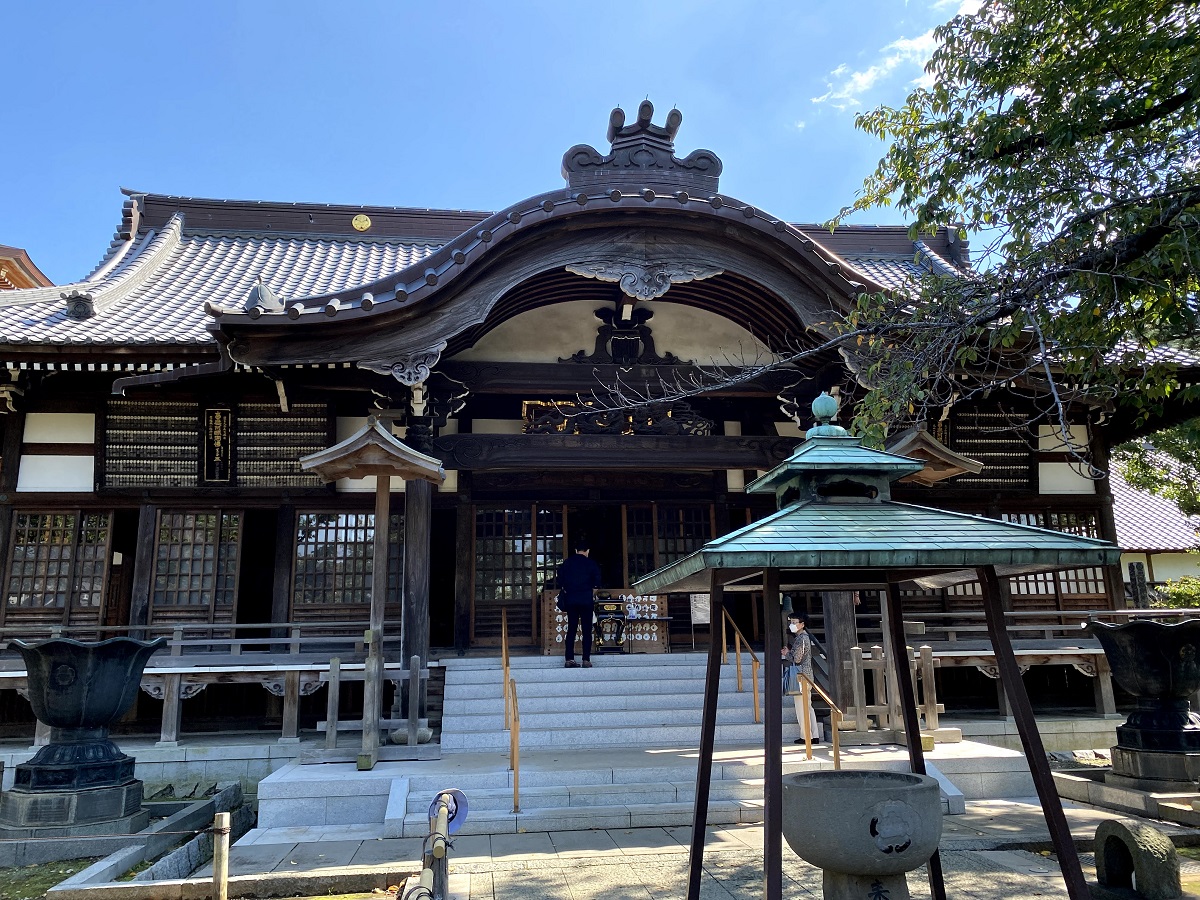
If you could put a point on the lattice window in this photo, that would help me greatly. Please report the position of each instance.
(196, 561)
(503, 539)
(682, 530)
(639, 541)
(549, 549)
(152, 444)
(334, 564)
(270, 443)
(1001, 442)
(58, 561)
(1084, 523)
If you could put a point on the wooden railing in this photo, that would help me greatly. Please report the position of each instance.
(740, 639)
(835, 720)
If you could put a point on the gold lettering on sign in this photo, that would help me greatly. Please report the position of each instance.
(218, 449)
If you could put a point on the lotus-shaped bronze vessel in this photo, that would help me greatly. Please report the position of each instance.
(1159, 664)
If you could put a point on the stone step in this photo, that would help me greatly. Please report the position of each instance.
(597, 703)
(585, 818)
(615, 660)
(456, 722)
(600, 738)
(600, 669)
(588, 682)
(577, 795)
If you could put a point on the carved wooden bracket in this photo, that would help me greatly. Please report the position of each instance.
(1086, 667)
(645, 281)
(306, 687)
(410, 369)
(992, 671)
(187, 691)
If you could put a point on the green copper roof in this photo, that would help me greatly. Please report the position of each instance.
(834, 454)
(855, 534)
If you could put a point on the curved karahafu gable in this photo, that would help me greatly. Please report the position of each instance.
(630, 217)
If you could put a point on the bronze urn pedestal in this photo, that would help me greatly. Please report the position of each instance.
(81, 782)
(1158, 747)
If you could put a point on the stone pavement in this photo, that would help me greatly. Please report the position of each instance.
(991, 852)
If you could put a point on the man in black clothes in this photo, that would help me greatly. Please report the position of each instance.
(578, 577)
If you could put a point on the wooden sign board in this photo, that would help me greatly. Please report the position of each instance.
(645, 627)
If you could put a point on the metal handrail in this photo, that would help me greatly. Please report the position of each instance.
(504, 671)
(740, 639)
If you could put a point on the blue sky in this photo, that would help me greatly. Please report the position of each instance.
(465, 106)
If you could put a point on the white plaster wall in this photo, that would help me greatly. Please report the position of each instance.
(1050, 441)
(1063, 478)
(60, 428)
(562, 329)
(789, 429)
(56, 474)
(1168, 566)
(346, 426)
(735, 479)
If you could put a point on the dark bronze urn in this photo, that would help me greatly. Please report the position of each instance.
(80, 779)
(1159, 664)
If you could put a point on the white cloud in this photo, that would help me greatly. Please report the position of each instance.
(845, 88)
(801, 124)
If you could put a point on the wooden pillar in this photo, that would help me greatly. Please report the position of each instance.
(414, 634)
(1031, 740)
(772, 738)
(143, 568)
(281, 582)
(172, 711)
(908, 713)
(291, 708)
(10, 462)
(841, 633)
(373, 674)
(464, 541)
(708, 737)
(1113, 576)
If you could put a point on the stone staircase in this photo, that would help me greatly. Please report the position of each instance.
(624, 701)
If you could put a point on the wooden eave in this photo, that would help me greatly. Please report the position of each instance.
(333, 324)
(373, 451)
(940, 461)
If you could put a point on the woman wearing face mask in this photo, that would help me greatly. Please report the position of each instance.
(799, 650)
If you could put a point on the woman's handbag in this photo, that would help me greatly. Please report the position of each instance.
(791, 683)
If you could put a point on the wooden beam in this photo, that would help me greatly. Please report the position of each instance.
(610, 451)
(1031, 740)
(708, 737)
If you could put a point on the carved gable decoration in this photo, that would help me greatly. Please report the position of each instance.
(642, 155)
(624, 342)
(645, 281)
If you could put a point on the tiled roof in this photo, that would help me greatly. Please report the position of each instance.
(155, 278)
(1149, 522)
(156, 294)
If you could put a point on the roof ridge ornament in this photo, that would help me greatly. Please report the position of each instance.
(262, 299)
(825, 410)
(642, 155)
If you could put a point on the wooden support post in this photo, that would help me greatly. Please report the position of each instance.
(912, 727)
(929, 688)
(860, 689)
(1031, 740)
(221, 822)
(464, 541)
(841, 633)
(773, 738)
(414, 690)
(332, 702)
(143, 569)
(281, 581)
(879, 686)
(1106, 703)
(708, 736)
(10, 457)
(172, 711)
(291, 708)
(373, 674)
(414, 633)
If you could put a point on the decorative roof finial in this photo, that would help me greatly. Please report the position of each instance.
(642, 156)
(825, 409)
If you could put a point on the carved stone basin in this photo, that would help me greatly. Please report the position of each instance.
(864, 828)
